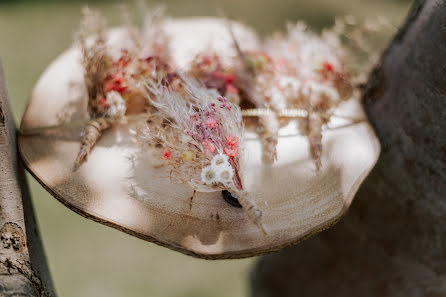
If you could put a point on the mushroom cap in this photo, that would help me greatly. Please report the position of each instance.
(119, 186)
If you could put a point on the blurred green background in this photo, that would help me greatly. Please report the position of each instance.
(86, 258)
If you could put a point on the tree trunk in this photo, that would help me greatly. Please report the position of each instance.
(23, 268)
(393, 240)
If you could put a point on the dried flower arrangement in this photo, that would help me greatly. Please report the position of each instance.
(201, 135)
(115, 85)
(211, 73)
(314, 74)
(309, 73)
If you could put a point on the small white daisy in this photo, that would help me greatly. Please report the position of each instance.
(225, 173)
(208, 175)
(220, 159)
(116, 104)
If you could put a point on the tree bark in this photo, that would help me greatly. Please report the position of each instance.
(23, 268)
(392, 242)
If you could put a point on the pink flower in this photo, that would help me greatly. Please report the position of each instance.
(327, 66)
(211, 123)
(116, 83)
(231, 152)
(231, 149)
(222, 99)
(231, 140)
(209, 147)
(166, 154)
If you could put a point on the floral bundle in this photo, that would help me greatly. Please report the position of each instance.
(310, 73)
(115, 83)
(212, 74)
(201, 133)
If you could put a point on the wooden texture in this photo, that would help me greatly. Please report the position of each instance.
(119, 187)
(392, 241)
(23, 268)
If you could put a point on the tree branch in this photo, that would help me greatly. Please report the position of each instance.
(392, 241)
(23, 268)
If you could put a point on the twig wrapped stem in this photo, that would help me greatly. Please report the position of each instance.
(251, 210)
(92, 131)
(314, 123)
(269, 136)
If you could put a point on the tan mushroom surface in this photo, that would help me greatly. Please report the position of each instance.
(119, 186)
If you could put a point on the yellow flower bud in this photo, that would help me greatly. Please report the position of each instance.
(188, 155)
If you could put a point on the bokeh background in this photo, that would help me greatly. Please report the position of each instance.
(86, 258)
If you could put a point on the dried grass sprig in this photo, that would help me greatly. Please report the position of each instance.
(362, 42)
(92, 40)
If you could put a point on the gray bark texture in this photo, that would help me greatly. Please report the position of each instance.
(23, 268)
(392, 242)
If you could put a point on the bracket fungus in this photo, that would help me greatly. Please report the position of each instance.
(121, 185)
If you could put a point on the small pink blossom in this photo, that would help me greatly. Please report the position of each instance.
(222, 99)
(228, 106)
(327, 66)
(209, 147)
(116, 83)
(166, 154)
(231, 152)
(211, 123)
(231, 140)
(231, 148)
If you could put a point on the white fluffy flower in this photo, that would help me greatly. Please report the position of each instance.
(208, 175)
(117, 107)
(219, 159)
(225, 173)
(220, 171)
